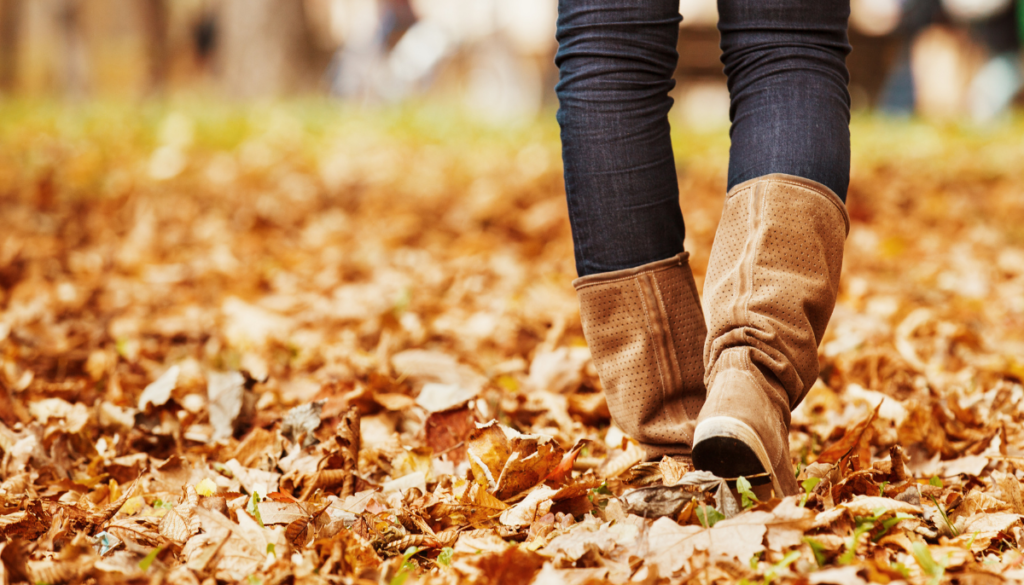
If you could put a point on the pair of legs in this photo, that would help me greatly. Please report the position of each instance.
(774, 269)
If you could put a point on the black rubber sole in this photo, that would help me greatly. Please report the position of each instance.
(730, 458)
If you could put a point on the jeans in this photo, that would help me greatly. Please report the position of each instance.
(790, 110)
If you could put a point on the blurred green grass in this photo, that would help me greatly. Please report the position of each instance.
(38, 133)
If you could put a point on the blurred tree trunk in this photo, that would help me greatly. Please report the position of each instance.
(265, 49)
(10, 27)
(155, 23)
(74, 53)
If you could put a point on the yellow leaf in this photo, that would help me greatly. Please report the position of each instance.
(206, 487)
(132, 506)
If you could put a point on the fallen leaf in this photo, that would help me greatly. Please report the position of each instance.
(673, 470)
(536, 504)
(837, 576)
(300, 423)
(672, 546)
(435, 397)
(658, 501)
(850, 441)
(206, 487)
(181, 522)
(587, 536)
(224, 391)
(969, 465)
(787, 524)
(159, 391)
(1010, 491)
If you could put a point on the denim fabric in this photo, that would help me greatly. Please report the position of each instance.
(790, 110)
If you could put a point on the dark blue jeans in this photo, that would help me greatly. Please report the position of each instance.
(790, 109)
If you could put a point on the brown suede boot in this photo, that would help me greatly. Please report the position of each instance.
(771, 286)
(646, 332)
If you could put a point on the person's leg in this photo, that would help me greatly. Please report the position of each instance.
(616, 59)
(773, 274)
(790, 107)
(639, 307)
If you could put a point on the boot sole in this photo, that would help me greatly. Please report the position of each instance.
(729, 448)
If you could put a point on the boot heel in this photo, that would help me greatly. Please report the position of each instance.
(729, 448)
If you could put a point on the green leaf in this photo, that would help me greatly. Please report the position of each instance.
(403, 301)
(407, 566)
(935, 481)
(945, 518)
(401, 575)
(851, 550)
(809, 484)
(746, 493)
(708, 516)
(775, 569)
(445, 557)
(145, 563)
(601, 490)
(818, 549)
(889, 523)
(253, 508)
(971, 541)
(923, 556)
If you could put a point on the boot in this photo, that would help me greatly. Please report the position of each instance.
(771, 286)
(646, 330)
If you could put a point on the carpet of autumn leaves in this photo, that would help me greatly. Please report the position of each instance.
(301, 344)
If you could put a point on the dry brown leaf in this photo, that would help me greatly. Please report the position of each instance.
(1010, 491)
(536, 504)
(159, 391)
(254, 480)
(281, 512)
(837, 576)
(981, 529)
(446, 432)
(673, 469)
(658, 501)
(512, 566)
(622, 461)
(488, 450)
(671, 546)
(787, 524)
(181, 522)
(478, 541)
(851, 441)
(866, 506)
(532, 460)
(257, 449)
(587, 536)
(225, 392)
(976, 502)
(301, 422)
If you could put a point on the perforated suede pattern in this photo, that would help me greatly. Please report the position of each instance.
(773, 277)
(686, 321)
(646, 333)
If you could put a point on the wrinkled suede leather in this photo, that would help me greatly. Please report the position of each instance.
(646, 331)
(771, 286)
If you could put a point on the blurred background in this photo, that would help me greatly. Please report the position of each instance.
(938, 58)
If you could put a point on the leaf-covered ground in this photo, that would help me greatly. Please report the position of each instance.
(298, 344)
